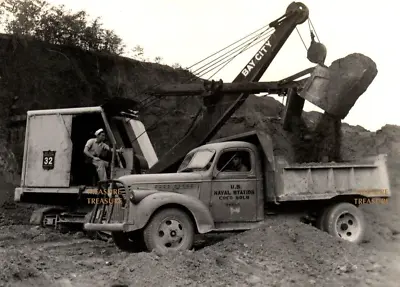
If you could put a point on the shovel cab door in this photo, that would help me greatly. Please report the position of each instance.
(48, 151)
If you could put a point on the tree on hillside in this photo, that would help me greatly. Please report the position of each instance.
(56, 25)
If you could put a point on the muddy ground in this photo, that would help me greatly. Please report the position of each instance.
(283, 252)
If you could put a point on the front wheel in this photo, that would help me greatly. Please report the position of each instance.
(128, 241)
(345, 221)
(169, 229)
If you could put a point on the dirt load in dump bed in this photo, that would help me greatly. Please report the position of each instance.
(281, 253)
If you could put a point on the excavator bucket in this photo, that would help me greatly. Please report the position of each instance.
(337, 88)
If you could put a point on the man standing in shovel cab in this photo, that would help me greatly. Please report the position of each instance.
(96, 149)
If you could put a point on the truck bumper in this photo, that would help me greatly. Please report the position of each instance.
(104, 227)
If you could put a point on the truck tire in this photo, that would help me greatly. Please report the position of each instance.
(129, 242)
(346, 221)
(321, 218)
(169, 229)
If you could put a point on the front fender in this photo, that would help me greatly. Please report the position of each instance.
(140, 214)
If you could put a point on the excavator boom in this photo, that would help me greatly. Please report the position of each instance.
(216, 112)
(210, 88)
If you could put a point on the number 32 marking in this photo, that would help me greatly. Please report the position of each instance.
(48, 160)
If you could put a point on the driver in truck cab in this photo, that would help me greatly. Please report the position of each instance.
(96, 149)
(237, 164)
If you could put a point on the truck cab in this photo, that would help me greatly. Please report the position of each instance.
(207, 174)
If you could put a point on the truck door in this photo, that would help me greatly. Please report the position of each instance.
(48, 151)
(234, 185)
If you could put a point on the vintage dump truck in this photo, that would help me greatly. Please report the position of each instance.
(207, 195)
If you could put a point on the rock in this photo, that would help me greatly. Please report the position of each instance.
(349, 78)
(64, 283)
(253, 280)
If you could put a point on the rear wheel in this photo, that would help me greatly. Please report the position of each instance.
(169, 229)
(345, 221)
(321, 218)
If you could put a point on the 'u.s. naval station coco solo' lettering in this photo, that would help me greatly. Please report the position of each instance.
(234, 193)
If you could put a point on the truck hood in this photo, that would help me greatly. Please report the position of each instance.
(187, 183)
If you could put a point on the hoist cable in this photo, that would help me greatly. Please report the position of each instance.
(145, 105)
(266, 26)
(232, 50)
(263, 39)
(189, 80)
(301, 38)
(221, 103)
(254, 38)
(312, 26)
(243, 46)
(223, 64)
(249, 45)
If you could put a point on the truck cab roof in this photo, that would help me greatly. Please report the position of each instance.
(228, 144)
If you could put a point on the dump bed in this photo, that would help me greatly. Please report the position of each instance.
(368, 177)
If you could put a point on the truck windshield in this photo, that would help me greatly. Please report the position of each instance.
(200, 160)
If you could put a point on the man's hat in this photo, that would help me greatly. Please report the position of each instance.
(98, 132)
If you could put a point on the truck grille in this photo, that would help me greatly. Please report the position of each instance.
(114, 210)
(117, 212)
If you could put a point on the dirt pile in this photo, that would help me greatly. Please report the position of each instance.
(279, 253)
(16, 265)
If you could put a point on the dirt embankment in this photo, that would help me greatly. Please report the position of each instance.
(280, 253)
